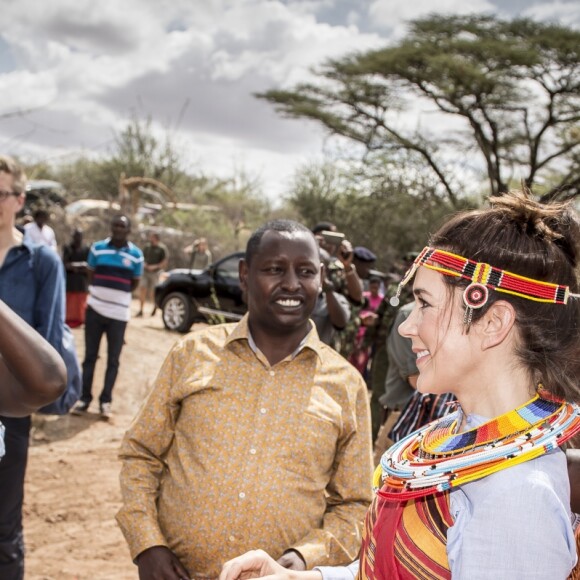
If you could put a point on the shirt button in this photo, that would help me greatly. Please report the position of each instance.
(263, 411)
(241, 495)
(253, 451)
(232, 539)
(272, 373)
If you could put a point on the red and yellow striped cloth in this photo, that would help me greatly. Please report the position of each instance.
(406, 540)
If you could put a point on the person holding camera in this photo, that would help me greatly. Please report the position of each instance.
(332, 311)
(362, 262)
(340, 269)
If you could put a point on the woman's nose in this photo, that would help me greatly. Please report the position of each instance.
(407, 328)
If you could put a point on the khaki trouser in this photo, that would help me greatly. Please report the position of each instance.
(383, 442)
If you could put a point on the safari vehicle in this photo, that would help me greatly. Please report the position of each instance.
(43, 193)
(212, 295)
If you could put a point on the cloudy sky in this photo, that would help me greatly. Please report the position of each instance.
(81, 68)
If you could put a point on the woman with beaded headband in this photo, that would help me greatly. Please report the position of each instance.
(484, 491)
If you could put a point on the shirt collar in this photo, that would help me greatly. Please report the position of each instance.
(127, 244)
(29, 245)
(242, 332)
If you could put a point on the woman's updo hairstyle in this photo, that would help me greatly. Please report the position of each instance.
(539, 241)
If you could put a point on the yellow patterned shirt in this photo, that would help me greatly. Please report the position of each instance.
(230, 454)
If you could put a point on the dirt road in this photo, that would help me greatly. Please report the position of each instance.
(72, 489)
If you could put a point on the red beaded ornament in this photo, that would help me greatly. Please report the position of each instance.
(483, 277)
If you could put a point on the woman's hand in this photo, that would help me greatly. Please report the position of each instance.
(253, 564)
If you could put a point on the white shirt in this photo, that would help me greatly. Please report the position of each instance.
(42, 237)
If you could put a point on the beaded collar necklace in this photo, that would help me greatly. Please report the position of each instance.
(436, 458)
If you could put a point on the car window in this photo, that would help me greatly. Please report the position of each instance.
(228, 269)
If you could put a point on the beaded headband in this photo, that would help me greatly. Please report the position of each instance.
(484, 276)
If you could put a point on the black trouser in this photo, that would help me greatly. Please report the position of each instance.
(95, 326)
(12, 470)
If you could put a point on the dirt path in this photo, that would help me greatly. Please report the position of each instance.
(72, 490)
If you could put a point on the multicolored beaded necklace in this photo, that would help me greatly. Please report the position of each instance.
(436, 458)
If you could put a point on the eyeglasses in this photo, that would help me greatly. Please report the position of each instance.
(6, 194)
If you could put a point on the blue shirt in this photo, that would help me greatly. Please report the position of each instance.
(515, 524)
(113, 272)
(32, 285)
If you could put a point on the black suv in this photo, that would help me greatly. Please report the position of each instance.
(212, 295)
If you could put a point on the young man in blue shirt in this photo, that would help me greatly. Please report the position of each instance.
(115, 266)
(32, 285)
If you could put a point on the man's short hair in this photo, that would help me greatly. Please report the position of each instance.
(119, 216)
(12, 167)
(286, 226)
(41, 213)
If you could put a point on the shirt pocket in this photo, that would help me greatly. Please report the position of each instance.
(315, 441)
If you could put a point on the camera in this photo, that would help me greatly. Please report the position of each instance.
(332, 238)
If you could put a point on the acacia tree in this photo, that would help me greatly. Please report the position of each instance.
(508, 91)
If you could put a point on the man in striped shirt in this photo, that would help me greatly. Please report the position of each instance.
(115, 266)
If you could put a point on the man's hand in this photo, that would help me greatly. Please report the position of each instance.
(292, 560)
(160, 563)
(346, 253)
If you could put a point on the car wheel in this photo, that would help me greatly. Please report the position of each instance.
(177, 312)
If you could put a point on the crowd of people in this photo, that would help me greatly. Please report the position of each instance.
(253, 453)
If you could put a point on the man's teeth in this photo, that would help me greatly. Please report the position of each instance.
(422, 353)
(289, 303)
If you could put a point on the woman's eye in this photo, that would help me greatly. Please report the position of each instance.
(423, 304)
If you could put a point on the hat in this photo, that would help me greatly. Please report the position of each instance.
(364, 254)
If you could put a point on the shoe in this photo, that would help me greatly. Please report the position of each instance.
(106, 411)
(80, 408)
(139, 314)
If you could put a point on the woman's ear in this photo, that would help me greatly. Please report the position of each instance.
(497, 324)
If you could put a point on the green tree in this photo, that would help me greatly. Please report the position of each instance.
(388, 206)
(139, 153)
(502, 96)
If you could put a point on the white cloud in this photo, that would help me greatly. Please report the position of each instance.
(567, 13)
(86, 65)
(391, 15)
(89, 64)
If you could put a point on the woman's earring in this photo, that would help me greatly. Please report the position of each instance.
(474, 296)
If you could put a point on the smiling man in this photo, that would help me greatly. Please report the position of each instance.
(255, 433)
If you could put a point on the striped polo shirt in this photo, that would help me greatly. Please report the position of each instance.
(113, 271)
